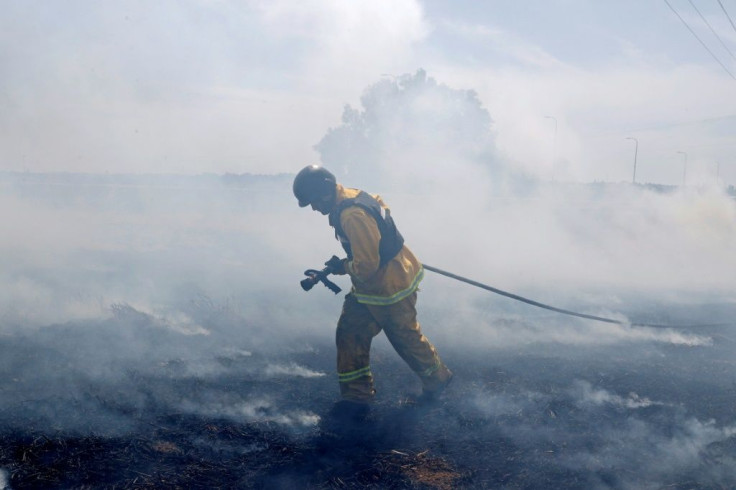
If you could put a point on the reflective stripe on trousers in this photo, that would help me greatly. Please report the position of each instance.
(353, 375)
(357, 326)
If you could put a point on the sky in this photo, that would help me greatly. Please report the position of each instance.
(190, 87)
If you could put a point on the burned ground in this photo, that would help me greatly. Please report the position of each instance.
(154, 335)
(552, 416)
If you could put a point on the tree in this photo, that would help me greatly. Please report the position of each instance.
(409, 128)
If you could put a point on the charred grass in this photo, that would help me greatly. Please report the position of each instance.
(659, 419)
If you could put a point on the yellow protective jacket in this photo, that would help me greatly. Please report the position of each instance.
(373, 284)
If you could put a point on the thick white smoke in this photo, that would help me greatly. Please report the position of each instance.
(113, 279)
(429, 150)
(162, 244)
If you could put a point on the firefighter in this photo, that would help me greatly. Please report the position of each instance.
(385, 275)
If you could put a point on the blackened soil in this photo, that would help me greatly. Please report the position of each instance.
(645, 416)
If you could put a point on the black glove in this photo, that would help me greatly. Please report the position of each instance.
(337, 265)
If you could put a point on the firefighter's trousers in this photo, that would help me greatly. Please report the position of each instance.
(357, 326)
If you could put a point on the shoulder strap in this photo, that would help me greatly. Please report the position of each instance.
(391, 240)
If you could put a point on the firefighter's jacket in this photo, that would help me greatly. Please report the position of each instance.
(374, 283)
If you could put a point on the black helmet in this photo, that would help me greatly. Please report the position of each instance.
(313, 183)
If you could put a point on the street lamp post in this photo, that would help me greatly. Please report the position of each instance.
(684, 169)
(636, 152)
(554, 145)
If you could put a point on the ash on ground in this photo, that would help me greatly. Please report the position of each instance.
(76, 411)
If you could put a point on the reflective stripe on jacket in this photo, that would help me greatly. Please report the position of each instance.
(373, 283)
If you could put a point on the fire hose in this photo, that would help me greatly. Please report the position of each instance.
(315, 276)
